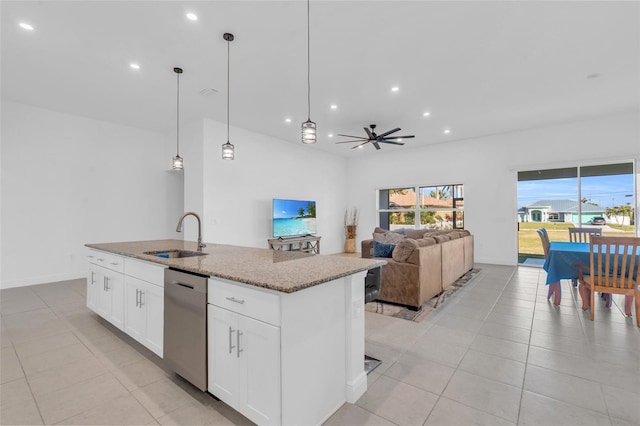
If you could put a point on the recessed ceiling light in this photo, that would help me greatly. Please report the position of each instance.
(330, 135)
(192, 16)
(426, 114)
(359, 146)
(395, 88)
(134, 66)
(334, 106)
(447, 131)
(287, 120)
(593, 76)
(26, 26)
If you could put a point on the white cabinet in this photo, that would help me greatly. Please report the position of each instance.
(144, 304)
(129, 293)
(244, 356)
(144, 313)
(105, 286)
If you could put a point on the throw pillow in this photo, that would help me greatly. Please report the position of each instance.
(382, 249)
(404, 249)
(388, 237)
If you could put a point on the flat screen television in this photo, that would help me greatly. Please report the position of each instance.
(293, 218)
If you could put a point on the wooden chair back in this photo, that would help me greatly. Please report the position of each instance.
(583, 235)
(544, 237)
(614, 264)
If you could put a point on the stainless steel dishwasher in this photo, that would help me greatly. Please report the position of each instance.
(185, 325)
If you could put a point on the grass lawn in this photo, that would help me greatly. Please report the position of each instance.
(529, 244)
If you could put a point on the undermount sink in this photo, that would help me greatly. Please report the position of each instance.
(173, 254)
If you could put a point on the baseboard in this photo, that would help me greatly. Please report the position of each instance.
(357, 387)
(40, 280)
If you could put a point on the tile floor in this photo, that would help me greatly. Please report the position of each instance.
(496, 353)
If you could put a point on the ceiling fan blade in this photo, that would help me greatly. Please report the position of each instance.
(355, 137)
(375, 143)
(391, 142)
(357, 140)
(368, 132)
(358, 146)
(398, 137)
(389, 132)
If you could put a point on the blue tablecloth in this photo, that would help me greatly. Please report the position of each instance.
(559, 264)
(562, 256)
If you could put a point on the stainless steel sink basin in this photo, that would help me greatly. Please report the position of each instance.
(173, 254)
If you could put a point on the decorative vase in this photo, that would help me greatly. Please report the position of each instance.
(350, 245)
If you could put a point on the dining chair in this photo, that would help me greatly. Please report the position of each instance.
(554, 288)
(582, 235)
(613, 269)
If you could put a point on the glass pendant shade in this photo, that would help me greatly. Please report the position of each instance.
(228, 151)
(177, 163)
(308, 132)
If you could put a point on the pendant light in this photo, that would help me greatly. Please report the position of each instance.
(228, 148)
(177, 160)
(308, 127)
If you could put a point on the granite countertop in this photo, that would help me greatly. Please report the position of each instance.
(282, 271)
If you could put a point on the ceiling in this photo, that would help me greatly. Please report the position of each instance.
(479, 68)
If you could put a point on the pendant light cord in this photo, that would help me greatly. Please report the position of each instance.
(178, 117)
(308, 65)
(228, 87)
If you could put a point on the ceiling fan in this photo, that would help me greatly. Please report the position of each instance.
(377, 139)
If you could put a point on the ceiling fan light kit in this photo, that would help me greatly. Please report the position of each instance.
(375, 139)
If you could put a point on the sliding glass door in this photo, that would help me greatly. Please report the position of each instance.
(599, 196)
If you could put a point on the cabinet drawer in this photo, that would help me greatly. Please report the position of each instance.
(145, 271)
(106, 260)
(252, 302)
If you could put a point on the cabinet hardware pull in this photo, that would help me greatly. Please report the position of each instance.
(93, 280)
(114, 263)
(238, 343)
(106, 283)
(233, 299)
(231, 330)
(141, 301)
(137, 294)
(101, 259)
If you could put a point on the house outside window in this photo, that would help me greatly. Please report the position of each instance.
(422, 207)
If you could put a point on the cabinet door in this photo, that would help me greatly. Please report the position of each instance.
(93, 286)
(153, 304)
(103, 299)
(134, 314)
(112, 298)
(222, 355)
(259, 370)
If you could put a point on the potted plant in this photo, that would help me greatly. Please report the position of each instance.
(350, 225)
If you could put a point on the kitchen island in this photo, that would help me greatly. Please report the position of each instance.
(298, 348)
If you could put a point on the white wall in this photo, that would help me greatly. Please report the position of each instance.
(238, 194)
(68, 180)
(488, 168)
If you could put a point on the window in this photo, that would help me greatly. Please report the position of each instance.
(422, 207)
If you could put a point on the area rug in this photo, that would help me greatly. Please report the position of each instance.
(398, 311)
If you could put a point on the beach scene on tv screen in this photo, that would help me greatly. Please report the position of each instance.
(293, 217)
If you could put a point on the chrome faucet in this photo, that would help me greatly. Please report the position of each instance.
(179, 228)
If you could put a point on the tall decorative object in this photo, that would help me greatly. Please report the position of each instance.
(178, 164)
(308, 127)
(228, 150)
(350, 225)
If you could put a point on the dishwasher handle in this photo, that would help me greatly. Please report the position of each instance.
(185, 285)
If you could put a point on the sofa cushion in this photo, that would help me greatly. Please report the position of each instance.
(389, 237)
(426, 241)
(404, 249)
(382, 249)
(414, 233)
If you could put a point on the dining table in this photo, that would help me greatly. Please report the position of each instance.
(560, 264)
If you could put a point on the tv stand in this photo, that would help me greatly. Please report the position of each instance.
(306, 244)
